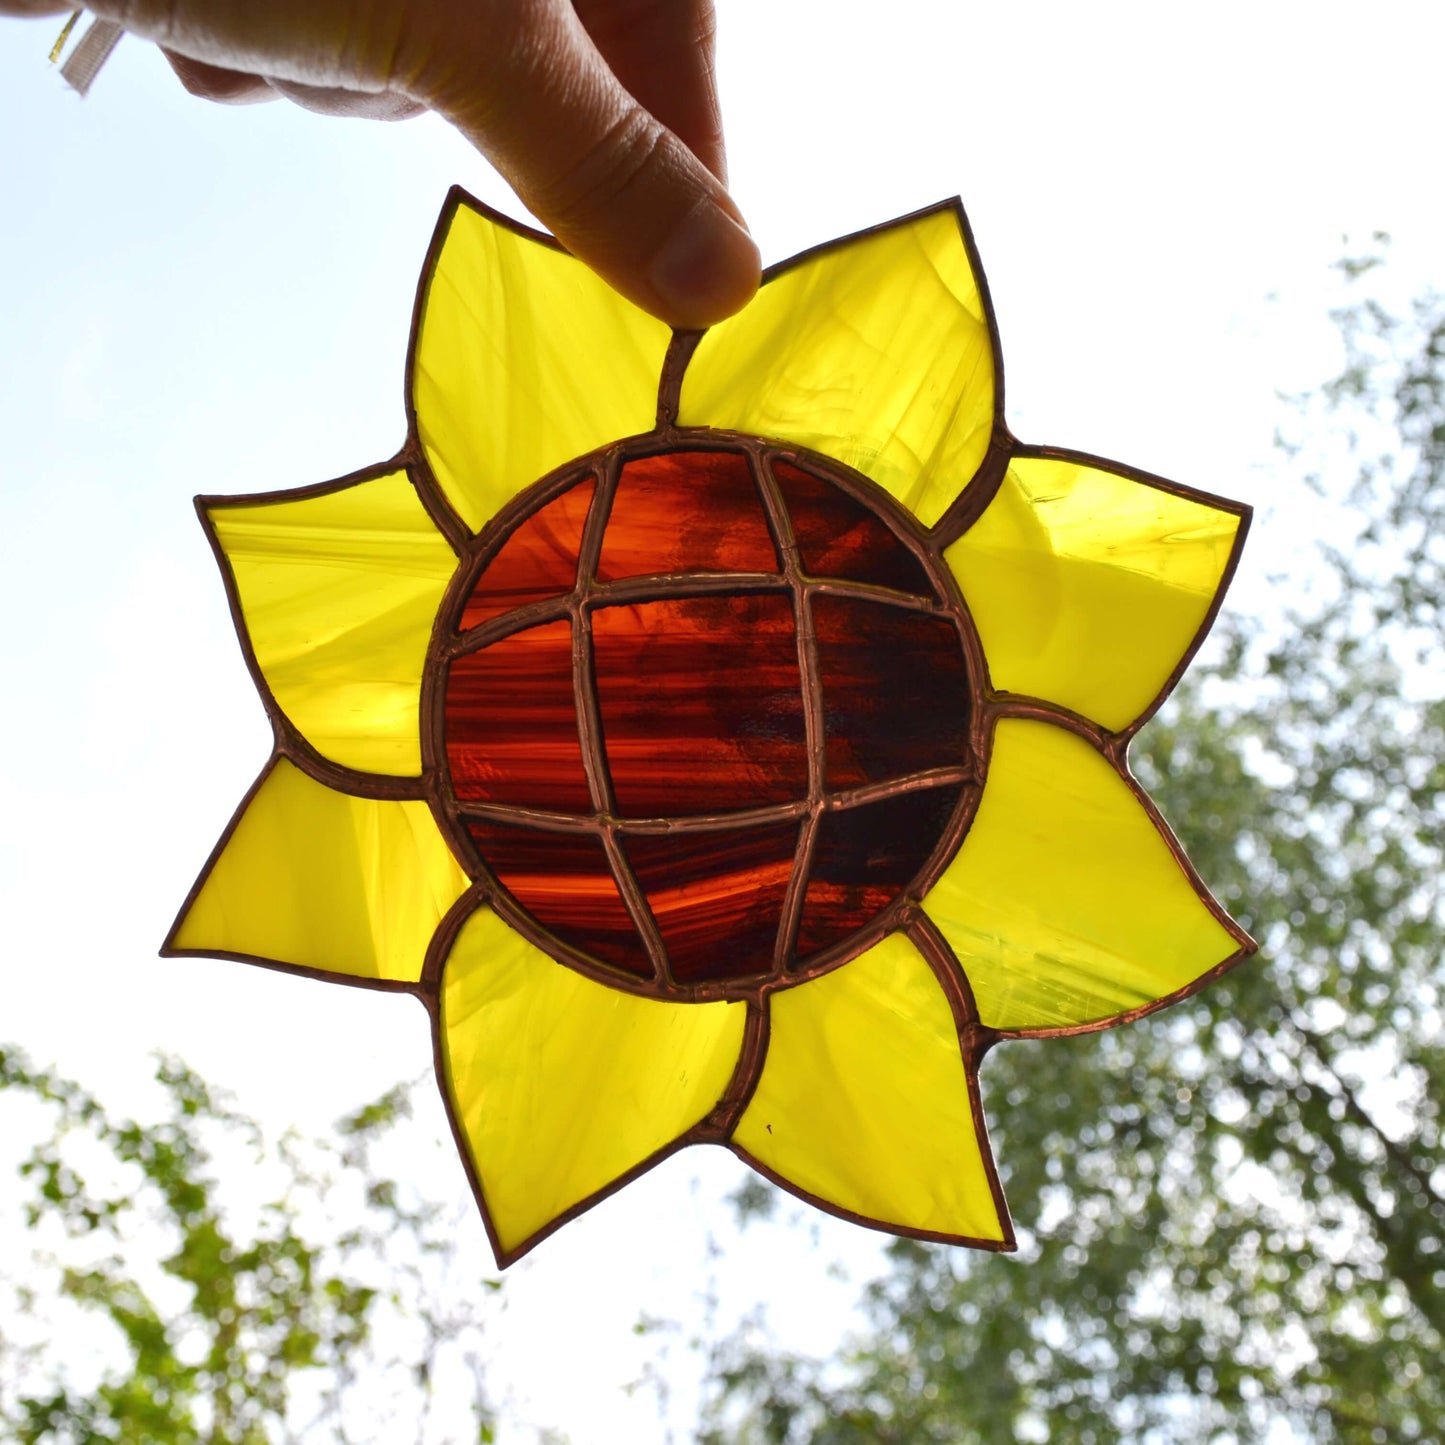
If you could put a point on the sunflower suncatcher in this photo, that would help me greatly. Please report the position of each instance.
(723, 734)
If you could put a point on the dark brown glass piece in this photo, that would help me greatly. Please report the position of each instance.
(538, 561)
(717, 897)
(863, 859)
(511, 723)
(565, 882)
(686, 512)
(895, 691)
(701, 703)
(838, 536)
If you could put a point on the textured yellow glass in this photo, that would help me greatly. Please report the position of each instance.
(1064, 905)
(876, 352)
(864, 1102)
(323, 880)
(1087, 586)
(561, 1085)
(338, 593)
(524, 360)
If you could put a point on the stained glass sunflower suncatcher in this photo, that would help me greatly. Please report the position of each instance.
(723, 734)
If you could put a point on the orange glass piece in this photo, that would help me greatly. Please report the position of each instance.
(538, 561)
(837, 536)
(717, 897)
(511, 723)
(896, 696)
(565, 882)
(686, 512)
(701, 703)
(864, 857)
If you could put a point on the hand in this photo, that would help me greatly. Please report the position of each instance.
(601, 114)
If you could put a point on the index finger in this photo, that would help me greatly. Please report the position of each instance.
(662, 51)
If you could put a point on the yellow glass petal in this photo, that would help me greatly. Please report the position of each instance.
(561, 1085)
(320, 879)
(876, 352)
(338, 593)
(1064, 905)
(524, 359)
(1088, 587)
(864, 1103)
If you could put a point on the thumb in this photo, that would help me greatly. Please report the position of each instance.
(618, 189)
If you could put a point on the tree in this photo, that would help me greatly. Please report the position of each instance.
(1234, 1211)
(160, 1307)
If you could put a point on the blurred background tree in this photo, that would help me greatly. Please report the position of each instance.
(189, 1282)
(1231, 1213)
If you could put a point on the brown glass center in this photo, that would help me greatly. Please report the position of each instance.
(706, 714)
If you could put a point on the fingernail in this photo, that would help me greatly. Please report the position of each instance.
(707, 268)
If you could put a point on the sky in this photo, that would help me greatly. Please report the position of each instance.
(195, 299)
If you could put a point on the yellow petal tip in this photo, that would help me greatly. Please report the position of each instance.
(1090, 588)
(1068, 906)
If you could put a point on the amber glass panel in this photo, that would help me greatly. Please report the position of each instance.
(686, 512)
(565, 882)
(717, 897)
(838, 536)
(895, 691)
(511, 723)
(863, 859)
(538, 561)
(702, 708)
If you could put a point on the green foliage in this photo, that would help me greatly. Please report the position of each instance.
(1233, 1213)
(165, 1308)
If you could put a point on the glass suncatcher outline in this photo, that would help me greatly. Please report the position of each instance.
(459, 659)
